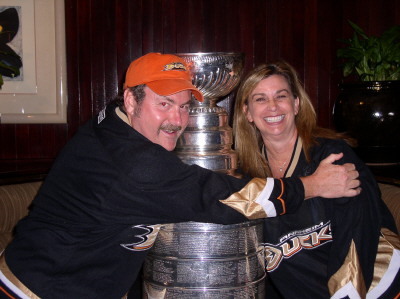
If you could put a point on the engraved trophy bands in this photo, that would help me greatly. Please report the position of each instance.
(207, 140)
(203, 260)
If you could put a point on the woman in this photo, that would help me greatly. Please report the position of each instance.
(329, 248)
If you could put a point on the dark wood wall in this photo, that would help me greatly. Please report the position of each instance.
(103, 36)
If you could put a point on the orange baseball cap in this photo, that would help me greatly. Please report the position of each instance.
(165, 74)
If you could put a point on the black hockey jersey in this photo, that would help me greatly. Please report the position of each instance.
(310, 254)
(98, 210)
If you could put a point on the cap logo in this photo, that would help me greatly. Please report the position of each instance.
(174, 66)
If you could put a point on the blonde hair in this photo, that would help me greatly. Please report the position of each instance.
(248, 141)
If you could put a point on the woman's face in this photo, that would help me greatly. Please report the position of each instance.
(272, 108)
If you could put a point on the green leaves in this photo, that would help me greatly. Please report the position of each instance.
(372, 58)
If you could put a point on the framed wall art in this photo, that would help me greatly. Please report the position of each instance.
(34, 30)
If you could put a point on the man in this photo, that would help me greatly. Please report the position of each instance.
(97, 212)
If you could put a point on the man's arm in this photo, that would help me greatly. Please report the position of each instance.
(262, 198)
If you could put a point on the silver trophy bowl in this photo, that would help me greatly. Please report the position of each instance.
(207, 140)
(215, 74)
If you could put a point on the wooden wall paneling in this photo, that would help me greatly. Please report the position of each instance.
(371, 15)
(110, 58)
(61, 136)
(35, 148)
(22, 141)
(104, 36)
(232, 19)
(350, 10)
(84, 66)
(210, 26)
(126, 37)
(186, 28)
(148, 18)
(134, 37)
(105, 81)
(157, 26)
(326, 56)
(28, 148)
(310, 67)
(8, 145)
(273, 27)
(329, 72)
(54, 139)
(73, 72)
(254, 28)
(207, 26)
(169, 26)
(224, 23)
(32, 141)
(192, 13)
(376, 16)
(289, 49)
(382, 16)
(246, 29)
(101, 35)
(396, 12)
(192, 22)
(296, 37)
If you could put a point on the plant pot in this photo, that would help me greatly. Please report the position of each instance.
(370, 112)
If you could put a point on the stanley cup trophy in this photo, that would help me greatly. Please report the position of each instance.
(205, 260)
(207, 140)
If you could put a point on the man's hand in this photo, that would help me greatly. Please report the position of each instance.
(332, 181)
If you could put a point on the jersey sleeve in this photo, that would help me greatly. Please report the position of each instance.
(181, 192)
(263, 198)
(357, 225)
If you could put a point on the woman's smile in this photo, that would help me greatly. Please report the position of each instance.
(274, 119)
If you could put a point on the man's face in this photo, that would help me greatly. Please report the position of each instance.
(161, 119)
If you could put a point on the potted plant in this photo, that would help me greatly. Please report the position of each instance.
(368, 105)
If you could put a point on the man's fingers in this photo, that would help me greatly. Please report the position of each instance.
(352, 174)
(349, 166)
(352, 192)
(332, 158)
(353, 184)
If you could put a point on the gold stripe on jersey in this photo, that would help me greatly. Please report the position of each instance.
(388, 242)
(349, 272)
(243, 201)
(296, 156)
(14, 280)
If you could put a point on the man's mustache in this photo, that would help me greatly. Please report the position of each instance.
(170, 127)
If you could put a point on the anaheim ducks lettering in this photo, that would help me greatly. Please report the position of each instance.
(174, 66)
(146, 239)
(306, 239)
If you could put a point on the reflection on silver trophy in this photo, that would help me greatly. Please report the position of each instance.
(204, 260)
(207, 140)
